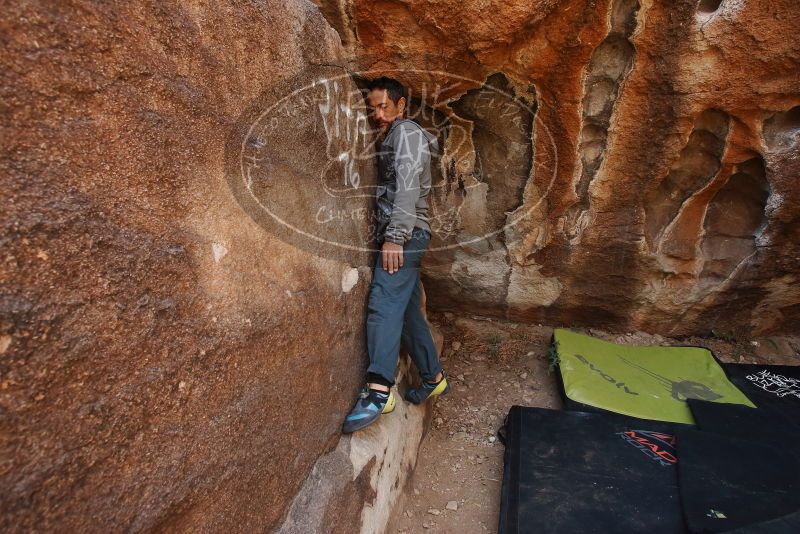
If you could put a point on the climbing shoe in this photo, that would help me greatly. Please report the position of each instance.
(427, 391)
(369, 406)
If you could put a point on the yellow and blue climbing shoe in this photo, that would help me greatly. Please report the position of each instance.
(427, 391)
(369, 406)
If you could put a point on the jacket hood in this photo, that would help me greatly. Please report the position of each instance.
(434, 142)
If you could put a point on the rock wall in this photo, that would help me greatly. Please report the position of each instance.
(166, 363)
(655, 186)
(356, 487)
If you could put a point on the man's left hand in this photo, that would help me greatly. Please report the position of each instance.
(392, 254)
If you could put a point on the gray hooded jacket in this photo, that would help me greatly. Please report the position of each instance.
(404, 180)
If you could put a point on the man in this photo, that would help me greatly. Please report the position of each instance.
(394, 313)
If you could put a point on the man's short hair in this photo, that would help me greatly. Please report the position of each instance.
(394, 89)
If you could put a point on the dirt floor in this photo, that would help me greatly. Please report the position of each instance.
(491, 366)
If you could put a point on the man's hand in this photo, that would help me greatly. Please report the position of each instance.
(392, 254)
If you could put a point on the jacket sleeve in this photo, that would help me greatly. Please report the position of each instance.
(409, 158)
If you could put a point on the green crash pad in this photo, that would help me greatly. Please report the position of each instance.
(644, 382)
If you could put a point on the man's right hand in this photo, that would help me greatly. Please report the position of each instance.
(392, 255)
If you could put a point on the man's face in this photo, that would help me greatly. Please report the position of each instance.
(383, 110)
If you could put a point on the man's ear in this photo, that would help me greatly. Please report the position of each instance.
(401, 105)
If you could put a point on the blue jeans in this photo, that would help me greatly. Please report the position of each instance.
(394, 312)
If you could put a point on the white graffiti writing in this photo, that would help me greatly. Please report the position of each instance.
(780, 385)
(344, 125)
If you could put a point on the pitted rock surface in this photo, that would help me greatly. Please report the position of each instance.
(657, 180)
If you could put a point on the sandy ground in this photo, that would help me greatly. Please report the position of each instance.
(493, 365)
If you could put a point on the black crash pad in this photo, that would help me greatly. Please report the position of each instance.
(729, 482)
(765, 426)
(588, 472)
(771, 387)
(788, 524)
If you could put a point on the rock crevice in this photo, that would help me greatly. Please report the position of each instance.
(644, 112)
